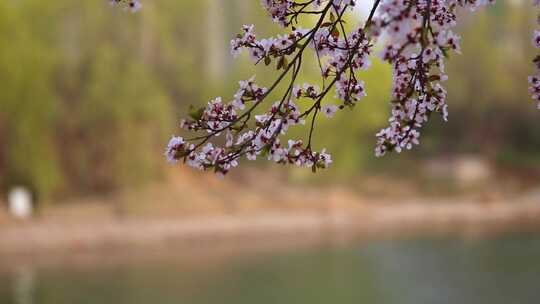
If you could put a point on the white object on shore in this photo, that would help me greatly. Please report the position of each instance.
(20, 203)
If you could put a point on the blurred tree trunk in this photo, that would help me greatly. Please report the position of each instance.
(215, 27)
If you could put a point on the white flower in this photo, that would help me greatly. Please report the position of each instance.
(325, 159)
(329, 110)
(536, 39)
(132, 5)
(175, 147)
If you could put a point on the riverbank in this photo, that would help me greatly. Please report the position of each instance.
(470, 219)
(201, 213)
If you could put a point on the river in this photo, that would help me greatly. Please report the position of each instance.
(428, 270)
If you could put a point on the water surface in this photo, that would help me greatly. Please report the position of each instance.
(504, 271)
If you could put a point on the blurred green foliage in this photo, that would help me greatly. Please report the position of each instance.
(87, 92)
(90, 94)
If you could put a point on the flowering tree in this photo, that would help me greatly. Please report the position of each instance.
(415, 36)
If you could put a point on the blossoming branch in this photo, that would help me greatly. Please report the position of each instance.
(416, 37)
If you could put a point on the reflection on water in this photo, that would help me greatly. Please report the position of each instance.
(23, 285)
(416, 271)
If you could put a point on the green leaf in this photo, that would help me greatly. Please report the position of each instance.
(196, 113)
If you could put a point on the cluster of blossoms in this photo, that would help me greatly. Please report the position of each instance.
(534, 81)
(416, 37)
(419, 38)
(268, 48)
(132, 5)
(235, 125)
(286, 12)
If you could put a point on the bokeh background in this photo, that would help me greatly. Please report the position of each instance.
(90, 95)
